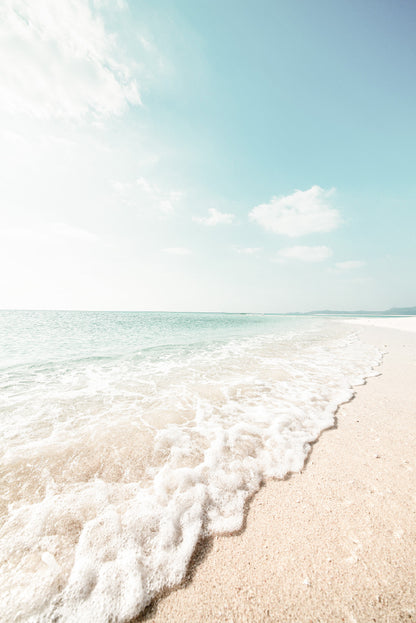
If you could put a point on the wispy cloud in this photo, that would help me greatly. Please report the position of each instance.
(247, 250)
(304, 254)
(349, 265)
(164, 199)
(47, 233)
(215, 218)
(301, 213)
(135, 193)
(177, 251)
(58, 61)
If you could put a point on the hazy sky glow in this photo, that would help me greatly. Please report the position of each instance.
(207, 156)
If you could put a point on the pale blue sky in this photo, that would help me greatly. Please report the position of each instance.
(206, 155)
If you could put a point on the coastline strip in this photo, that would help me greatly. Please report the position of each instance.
(336, 541)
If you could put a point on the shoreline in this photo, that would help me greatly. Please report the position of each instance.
(404, 323)
(337, 540)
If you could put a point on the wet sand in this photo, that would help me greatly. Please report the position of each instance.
(336, 542)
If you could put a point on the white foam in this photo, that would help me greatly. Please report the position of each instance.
(106, 506)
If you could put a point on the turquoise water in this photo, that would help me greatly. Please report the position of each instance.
(42, 336)
(125, 437)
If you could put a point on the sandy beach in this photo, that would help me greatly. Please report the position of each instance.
(336, 542)
(404, 323)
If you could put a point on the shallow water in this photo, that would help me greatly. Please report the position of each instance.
(125, 437)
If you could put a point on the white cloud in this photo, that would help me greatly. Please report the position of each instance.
(247, 250)
(68, 231)
(304, 254)
(120, 187)
(301, 213)
(215, 218)
(47, 233)
(164, 199)
(143, 191)
(118, 4)
(349, 265)
(177, 251)
(57, 60)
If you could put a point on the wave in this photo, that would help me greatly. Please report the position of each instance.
(112, 472)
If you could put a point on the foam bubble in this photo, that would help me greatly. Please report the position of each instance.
(114, 479)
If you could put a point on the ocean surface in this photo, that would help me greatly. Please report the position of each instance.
(127, 437)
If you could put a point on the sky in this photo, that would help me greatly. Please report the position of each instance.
(207, 155)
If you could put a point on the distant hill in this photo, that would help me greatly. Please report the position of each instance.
(401, 311)
(394, 311)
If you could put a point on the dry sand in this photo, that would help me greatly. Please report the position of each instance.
(336, 542)
(405, 323)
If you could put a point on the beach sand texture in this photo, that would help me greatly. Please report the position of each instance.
(336, 542)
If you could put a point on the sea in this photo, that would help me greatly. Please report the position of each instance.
(128, 437)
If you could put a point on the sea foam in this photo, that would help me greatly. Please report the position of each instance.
(114, 468)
